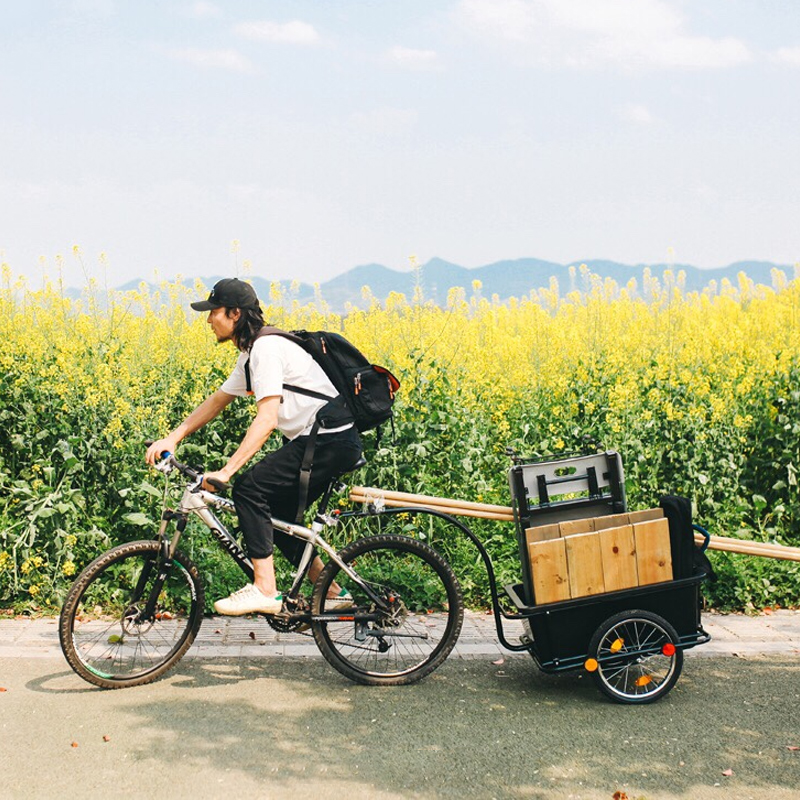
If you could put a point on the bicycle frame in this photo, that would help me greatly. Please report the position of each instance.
(199, 502)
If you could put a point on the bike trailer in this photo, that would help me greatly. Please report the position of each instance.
(612, 591)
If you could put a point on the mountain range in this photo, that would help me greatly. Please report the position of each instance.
(506, 279)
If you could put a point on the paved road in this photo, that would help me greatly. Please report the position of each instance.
(246, 725)
(731, 634)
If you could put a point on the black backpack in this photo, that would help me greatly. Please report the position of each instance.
(366, 391)
(687, 557)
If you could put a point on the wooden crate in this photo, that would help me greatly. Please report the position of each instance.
(584, 557)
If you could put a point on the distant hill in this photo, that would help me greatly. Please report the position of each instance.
(509, 278)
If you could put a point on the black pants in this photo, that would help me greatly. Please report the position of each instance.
(271, 488)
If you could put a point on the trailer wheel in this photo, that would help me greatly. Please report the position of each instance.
(634, 657)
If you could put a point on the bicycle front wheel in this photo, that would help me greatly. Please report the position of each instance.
(413, 635)
(106, 634)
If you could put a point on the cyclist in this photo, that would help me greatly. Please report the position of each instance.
(272, 485)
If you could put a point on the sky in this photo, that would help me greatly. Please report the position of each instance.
(296, 140)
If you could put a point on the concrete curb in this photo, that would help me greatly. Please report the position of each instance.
(248, 637)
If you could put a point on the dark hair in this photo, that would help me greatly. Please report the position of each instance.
(247, 327)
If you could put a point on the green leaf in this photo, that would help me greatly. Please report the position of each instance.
(138, 519)
(150, 489)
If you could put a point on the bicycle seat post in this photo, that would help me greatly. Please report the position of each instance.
(335, 485)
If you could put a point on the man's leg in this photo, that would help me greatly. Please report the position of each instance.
(333, 454)
(251, 494)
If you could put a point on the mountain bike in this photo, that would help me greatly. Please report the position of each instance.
(133, 612)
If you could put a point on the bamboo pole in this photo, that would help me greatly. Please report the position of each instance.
(749, 547)
(463, 508)
(456, 511)
(427, 500)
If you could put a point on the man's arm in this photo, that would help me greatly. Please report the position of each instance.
(202, 415)
(264, 423)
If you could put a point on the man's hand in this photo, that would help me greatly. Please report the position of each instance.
(154, 452)
(222, 476)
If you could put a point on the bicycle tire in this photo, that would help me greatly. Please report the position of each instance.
(100, 637)
(637, 658)
(409, 643)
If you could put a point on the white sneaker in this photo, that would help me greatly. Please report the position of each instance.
(249, 600)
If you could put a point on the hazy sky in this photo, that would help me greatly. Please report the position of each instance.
(323, 134)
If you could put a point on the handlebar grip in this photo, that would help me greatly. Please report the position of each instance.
(219, 485)
(165, 454)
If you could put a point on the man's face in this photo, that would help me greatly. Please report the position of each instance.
(222, 322)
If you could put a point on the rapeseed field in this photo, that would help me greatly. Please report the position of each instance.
(699, 392)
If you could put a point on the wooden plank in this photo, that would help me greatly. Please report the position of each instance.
(645, 515)
(610, 521)
(653, 555)
(585, 564)
(573, 526)
(618, 552)
(549, 571)
(541, 533)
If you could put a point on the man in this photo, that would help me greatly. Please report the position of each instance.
(271, 486)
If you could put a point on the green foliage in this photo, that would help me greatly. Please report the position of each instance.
(76, 411)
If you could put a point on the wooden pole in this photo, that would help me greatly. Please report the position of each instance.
(424, 499)
(751, 548)
(448, 509)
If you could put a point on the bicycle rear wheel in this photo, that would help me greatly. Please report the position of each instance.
(103, 630)
(416, 634)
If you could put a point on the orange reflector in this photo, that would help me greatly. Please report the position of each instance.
(617, 645)
(644, 680)
(591, 665)
(668, 649)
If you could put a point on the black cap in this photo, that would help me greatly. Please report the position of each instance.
(229, 293)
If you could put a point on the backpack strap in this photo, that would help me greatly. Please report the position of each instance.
(305, 473)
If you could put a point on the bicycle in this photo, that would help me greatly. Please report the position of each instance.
(134, 612)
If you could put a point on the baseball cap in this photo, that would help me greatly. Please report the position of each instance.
(230, 293)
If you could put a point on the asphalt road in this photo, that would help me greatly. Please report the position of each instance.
(264, 728)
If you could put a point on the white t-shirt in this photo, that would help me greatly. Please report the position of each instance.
(274, 361)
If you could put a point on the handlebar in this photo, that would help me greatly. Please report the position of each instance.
(168, 462)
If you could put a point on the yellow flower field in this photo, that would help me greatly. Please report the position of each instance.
(699, 393)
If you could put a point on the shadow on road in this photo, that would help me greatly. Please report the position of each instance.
(472, 729)
(483, 730)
